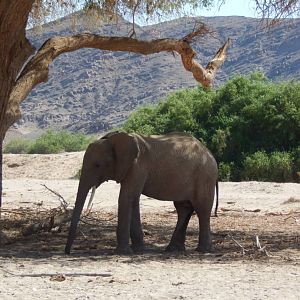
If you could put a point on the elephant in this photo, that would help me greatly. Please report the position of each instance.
(172, 167)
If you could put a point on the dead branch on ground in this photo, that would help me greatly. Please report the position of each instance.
(63, 202)
(296, 220)
(237, 243)
(56, 220)
(259, 247)
(58, 217)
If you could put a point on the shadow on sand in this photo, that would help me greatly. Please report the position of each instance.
(235, 237)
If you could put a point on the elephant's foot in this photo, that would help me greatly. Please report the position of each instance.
(175, 248)
(67, 250)
(204, 248)
(123, 250)
(138, 249)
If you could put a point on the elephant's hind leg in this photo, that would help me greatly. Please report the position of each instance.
(184, 211)
(203, 208)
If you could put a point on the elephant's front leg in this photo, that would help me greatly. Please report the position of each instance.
(125, 212)
(136, 231)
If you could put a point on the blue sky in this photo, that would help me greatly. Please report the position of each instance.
(244, 8)
(232, 8)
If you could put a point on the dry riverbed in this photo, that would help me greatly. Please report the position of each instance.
(256, 238)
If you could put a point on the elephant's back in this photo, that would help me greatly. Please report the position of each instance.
(178, 148)
(176, 144)
(174, 163)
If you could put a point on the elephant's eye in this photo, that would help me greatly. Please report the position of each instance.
(97, 165)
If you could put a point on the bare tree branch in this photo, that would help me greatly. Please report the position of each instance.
(201, 29)
(237, 243)
(63, 202)
(132, 31)
(37, 69)
(273, 11)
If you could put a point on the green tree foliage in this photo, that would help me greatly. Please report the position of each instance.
(257, 114)
(276, 166)
(50, 142)
(17, 146)
(148, 8)
(252, 125)
(181, 111)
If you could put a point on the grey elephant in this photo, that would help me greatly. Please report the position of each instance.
(173, 167)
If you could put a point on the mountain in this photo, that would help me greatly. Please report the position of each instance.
(91, 90)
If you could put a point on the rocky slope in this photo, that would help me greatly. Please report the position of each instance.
(91, 90)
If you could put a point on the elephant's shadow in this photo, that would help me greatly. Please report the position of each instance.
(234, 238)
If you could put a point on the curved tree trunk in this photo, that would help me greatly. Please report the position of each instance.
(1, 177)
(14, 52)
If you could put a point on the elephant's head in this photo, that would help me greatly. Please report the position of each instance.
(109, 158)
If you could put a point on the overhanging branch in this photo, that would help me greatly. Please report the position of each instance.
(37, 69)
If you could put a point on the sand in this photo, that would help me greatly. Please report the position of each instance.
(35, 266)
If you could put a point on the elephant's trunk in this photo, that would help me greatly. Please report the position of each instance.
(83, 190)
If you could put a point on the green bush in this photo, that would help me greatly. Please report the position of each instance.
(246, 115)
(296, 164)
(50, 142)
(296, 159)
(257, 167)
(61, 141)
(225, 171)
(281, 167)
(276, 166)
(17, 146)
(181, 111)
(256, 114)
(141, 121)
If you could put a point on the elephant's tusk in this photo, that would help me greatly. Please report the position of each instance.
(91, 198)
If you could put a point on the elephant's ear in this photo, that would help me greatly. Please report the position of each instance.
(126, 150)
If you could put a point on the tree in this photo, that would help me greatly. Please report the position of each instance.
(273, 10)
(22, 67)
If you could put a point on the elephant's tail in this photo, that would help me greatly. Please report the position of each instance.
(217, 198)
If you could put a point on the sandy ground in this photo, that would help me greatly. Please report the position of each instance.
(34, 266)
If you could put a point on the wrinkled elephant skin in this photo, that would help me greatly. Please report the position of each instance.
(173, 167)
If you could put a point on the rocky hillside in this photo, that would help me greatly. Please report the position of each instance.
(91, 90)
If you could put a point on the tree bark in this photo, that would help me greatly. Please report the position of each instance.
(14, 51)
(1, 176)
